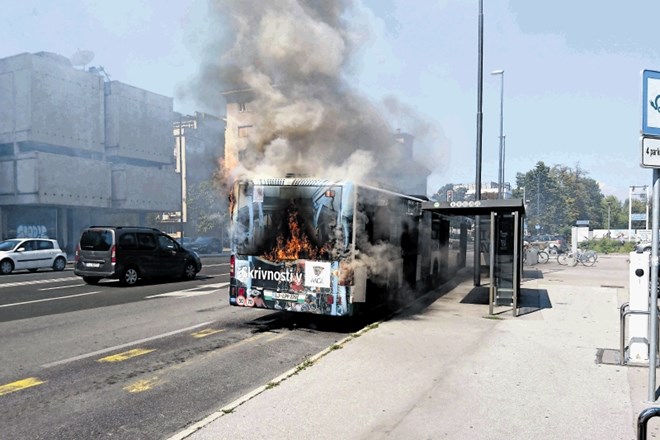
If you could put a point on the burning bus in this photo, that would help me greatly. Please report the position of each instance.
(331, 248)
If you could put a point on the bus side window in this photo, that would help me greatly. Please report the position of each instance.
(435, 230)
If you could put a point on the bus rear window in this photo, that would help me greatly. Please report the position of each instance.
(286, 225)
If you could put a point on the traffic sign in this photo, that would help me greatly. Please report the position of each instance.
(650, 152)
(650, 103)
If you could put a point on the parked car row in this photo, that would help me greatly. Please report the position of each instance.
(122, 252)
(551, 242)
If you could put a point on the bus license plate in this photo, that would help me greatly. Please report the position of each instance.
(285, 296)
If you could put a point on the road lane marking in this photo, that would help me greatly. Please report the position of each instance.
(62, 287)
(214, 265)
(49, 299)
(128, 344)
(119, 357)
(274, 338)
(206, 289)
(142, 385)
(28, 283)
(20, 385)
(206, 332)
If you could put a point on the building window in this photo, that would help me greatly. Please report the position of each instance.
(243, 131)
(241, 107)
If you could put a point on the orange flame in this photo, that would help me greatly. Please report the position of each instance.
(298, 245)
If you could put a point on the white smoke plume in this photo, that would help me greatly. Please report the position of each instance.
(292, 55)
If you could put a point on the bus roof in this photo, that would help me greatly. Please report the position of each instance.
(313, 181)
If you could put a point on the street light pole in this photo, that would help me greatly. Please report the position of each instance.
(500, 182)
(477, 180)
(608, 217)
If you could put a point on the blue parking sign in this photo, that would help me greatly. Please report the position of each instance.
(650, 103)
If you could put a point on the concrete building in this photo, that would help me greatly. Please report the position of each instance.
(77, 149)
(489, 190)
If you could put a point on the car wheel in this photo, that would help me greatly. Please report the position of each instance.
(6, 267)
(59, 264)
(189, 271)
(129, 276)
(91, 280)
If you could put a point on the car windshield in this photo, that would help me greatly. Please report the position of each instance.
(9, 245)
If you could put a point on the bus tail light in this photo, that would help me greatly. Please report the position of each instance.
(232, 266)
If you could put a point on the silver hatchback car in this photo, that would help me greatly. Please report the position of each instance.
(31, 254)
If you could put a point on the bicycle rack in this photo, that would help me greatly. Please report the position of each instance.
(623, 313)
(643, 420)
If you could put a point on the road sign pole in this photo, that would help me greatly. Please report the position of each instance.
(653, 313)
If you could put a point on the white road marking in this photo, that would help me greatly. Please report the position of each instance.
(195, 291)
(49, 299)
(28, 283)
(128, 344)
(62, 287)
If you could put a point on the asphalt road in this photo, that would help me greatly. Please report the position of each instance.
(142, 362)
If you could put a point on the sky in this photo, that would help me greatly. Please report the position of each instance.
(572, 71)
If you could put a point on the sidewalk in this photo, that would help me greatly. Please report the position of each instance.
(452, 371)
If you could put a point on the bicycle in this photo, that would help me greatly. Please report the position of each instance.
(542, 257)
(586, 258)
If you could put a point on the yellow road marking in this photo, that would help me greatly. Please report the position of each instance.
(274, 338)
(142, 385)
(206, 332)
(126, 355)
(20, 385)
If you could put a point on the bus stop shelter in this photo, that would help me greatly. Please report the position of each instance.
(501, 243)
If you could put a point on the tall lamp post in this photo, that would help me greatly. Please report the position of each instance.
(477, 180)
(500, 182)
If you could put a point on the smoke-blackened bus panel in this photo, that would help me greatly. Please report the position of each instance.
(288, 222)
(287, 242)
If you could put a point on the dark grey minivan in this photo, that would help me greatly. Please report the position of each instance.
(129, 253)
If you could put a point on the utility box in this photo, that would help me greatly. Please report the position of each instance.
(638, 323)
(531, 256)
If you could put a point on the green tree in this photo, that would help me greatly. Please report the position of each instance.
(457, 192)
(543, 201)
(207, 208)
(581, 197)
(557, 197)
